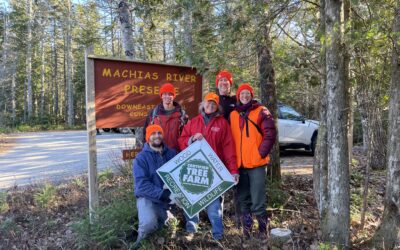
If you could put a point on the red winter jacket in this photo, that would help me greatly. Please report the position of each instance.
(217, 133)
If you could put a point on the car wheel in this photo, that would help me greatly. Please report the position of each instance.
(125, 130)
(106, 129)
(313, 143)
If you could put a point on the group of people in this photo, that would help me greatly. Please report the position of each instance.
(240, 131)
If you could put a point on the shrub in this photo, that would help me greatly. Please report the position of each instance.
(113, 225)
(3, 202)
(45, 196)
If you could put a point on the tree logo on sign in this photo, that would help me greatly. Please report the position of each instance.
(196, 176)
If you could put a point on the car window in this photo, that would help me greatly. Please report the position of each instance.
(289, 113)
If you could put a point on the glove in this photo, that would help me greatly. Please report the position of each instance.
(236, 178)
(174, 199)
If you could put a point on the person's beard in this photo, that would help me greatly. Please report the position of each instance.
(156, 144)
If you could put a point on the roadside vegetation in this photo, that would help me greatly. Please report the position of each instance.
(56, 216)
(37, 128)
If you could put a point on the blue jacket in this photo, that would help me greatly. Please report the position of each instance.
(147, 182)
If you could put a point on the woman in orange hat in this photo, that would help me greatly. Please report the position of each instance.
(254, 132)
(210, 125)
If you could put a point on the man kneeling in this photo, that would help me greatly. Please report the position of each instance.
(153, 202)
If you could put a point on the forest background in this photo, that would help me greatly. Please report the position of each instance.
(313, 55)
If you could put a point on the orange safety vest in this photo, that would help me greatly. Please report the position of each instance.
(247, 147)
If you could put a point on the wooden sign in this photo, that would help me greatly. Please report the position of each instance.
(129, 154)
(125, 91)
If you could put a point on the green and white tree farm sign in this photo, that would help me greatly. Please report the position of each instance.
(196, 176)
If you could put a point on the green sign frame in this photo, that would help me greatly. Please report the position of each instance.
(196, 176)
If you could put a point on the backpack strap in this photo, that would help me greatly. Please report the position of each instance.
(247, 119)
(257, 127)
(183, 117)
(154, 114)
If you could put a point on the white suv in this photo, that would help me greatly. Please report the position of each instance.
(295, 131)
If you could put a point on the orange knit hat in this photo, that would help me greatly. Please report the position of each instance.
(244, 86)
(226, 74)
(212, 97)
(167, 88)
(153, 128)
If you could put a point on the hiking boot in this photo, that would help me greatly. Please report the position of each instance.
(247, 223)
(263, 222)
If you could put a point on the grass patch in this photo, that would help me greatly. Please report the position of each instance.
(3, 202)
(276, 195)
(45, 196)
(105, 175)
(356, 178)
(38, 128)
(8, 226)
(113, 227)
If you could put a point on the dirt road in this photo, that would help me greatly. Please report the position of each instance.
(297, 162)
(36, 157)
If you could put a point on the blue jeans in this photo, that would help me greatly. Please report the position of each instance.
(214, 212)
(152, 217)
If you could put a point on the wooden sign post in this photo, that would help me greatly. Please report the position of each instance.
(91, 134)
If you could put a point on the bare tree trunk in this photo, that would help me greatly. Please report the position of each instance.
(13, 88)
(174, 42)
(70, 87)
(25, 116)
(3, 71)
(366, 184)
(268, 95)
(350, 134)
(143, 43)
(346, 64)
(337, 218)
(42, 74)
(112, 31)
(387, 235)
(55, 73)
(364, 124)
(29, 59)
(164, 46)
(187, 35)
(126, 29)
(374, 135)
(320, 168)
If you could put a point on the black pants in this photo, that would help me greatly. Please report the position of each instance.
(252, 191)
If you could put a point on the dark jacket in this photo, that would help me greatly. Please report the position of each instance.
(228, 104)
(217, 133)
(147, 182)
(172, 123)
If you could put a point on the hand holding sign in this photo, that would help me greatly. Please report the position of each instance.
(236, 178)
(197, 137)
(175, 199)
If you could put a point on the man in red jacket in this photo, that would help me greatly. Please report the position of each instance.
(169, 115)
(210, 125)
